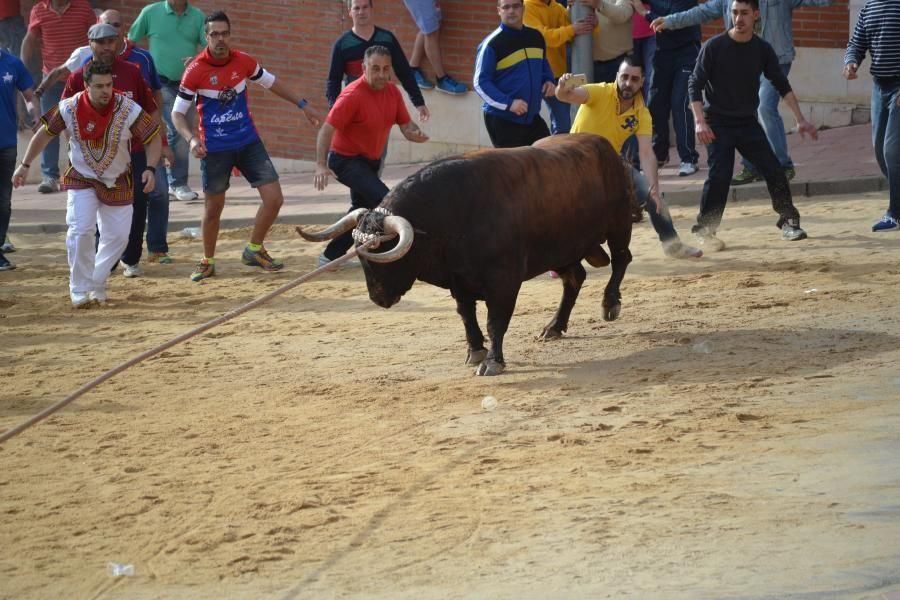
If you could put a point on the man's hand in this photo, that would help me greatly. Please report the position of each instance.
(423, 113)
(849, 71)
(638, 7)
(584, 25)
(312, 115)
(518, 107)
(658, 24)
(148, 178)
(807, 128)
(704, 133)
(412, 132)
(548, 89)
(320, 179)
(167, 155)
(198, 148)
(19, 176)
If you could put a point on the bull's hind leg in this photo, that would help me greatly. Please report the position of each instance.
(465, 306)
(621, 256)
(572, 277)
(500, 310)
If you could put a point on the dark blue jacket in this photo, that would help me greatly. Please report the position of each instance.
(671, 39)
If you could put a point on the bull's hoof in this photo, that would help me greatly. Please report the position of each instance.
(611, 313)
(475, 357)
(549, 333)
(489, 367)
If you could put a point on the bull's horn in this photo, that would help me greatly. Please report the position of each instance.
(346, 223)
(400, 226)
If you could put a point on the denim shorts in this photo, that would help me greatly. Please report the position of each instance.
(426, 14)
(251, 160)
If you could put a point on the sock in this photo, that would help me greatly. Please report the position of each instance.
(210, 260)
(254, 247)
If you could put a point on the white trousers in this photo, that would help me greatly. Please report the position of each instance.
(89, 270)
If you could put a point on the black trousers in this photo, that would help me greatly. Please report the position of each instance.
(133, 250)
(750, 140)
(506, 134)
(360, 174)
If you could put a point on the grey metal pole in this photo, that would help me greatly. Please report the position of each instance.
(582, 45)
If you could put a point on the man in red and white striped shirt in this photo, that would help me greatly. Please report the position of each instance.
(56, 28)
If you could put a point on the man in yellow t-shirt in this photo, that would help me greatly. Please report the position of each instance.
(616, 111)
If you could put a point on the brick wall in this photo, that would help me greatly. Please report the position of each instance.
(293, 39)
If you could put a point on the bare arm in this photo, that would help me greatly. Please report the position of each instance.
(179, 120)
(701, 127)
(153, 148)
(803, 125)
(577, 95)
(30, 45)
(33, 113)
(38, 142)
(649, 167)
(323, 143)
(282, 91)
(412, 132)
(50, 79)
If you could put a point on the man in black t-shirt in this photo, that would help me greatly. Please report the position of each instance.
(727, 73)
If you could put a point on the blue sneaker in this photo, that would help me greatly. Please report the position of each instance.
(422, 81)
(448, 85)
(887, 223)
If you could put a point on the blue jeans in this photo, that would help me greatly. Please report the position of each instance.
(158, 213)
(7, 167)
(661, 221)
(360, 174)
(645, 49)
(886, 136)
(178, 174)
(750, 140)
(771, 122)
(50, 155)
(669, 94)
(560, 115)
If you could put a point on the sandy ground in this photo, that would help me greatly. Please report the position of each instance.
(733, 435)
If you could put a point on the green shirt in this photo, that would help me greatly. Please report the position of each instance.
(172, 37)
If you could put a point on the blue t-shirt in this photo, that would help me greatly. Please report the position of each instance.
(14, 77)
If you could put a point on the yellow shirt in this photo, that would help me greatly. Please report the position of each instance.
(600, 115)
(552, 21)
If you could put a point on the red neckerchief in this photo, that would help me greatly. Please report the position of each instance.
(92, 123)
(207, 57)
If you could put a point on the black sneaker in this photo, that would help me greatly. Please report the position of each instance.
(5, 265)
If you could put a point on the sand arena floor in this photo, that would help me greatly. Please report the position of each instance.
(323, 447)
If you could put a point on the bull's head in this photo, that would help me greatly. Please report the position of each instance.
(386, 283)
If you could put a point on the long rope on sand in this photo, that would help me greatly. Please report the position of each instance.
(10, 433)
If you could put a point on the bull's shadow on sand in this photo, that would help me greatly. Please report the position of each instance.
(717, 357)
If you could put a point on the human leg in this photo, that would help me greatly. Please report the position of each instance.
(215, 173)
(645, 49)
(772, 122)
(115, 224)
(560, 115)
(605, 70)
(660, 103)
(715, 189)
(886, 140)
(366, 191)
(50, 154)
(256, 166)
(81, 219)
(135, 246)
(158, 216)
(7, 167)
(177, 174)
(682, 117)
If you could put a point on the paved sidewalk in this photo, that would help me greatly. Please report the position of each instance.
(841, 162)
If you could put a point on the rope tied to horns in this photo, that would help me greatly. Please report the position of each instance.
(370, 226)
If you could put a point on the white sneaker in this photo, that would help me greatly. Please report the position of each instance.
(183, 193)
(7, 247)
(81, 299)
(132, 270)
(98, 296)
(687, 169)
(48, 185)
(708, 240)
(678, 249)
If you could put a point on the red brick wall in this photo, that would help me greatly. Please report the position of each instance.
(293, 39)
(814, 27)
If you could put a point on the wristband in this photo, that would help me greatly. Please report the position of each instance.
(26, 165)
(302, 104)
(151, 169)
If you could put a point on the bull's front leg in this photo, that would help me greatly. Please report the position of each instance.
(465, 307)
(572, 278)
(612, 297)
(500, 311)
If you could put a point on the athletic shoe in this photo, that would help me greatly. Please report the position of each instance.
(99, 296)
(81, 299)
(790, 173)
(48, 185)
(261, 259)
(5, 265)
(887, 223)
(792, 232)
(159, 257)
(7, 247)
(708, 240)
(686, 169)
(132, 270)
(746, 176)
(203, 270)
(448, 85)
(183, 193)
(678, 249)
(421, 80)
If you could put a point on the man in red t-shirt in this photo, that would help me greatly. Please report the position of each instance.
(128, 80)
(351, 141)
(55, 29)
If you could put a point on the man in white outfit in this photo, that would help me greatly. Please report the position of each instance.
(100, 124)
